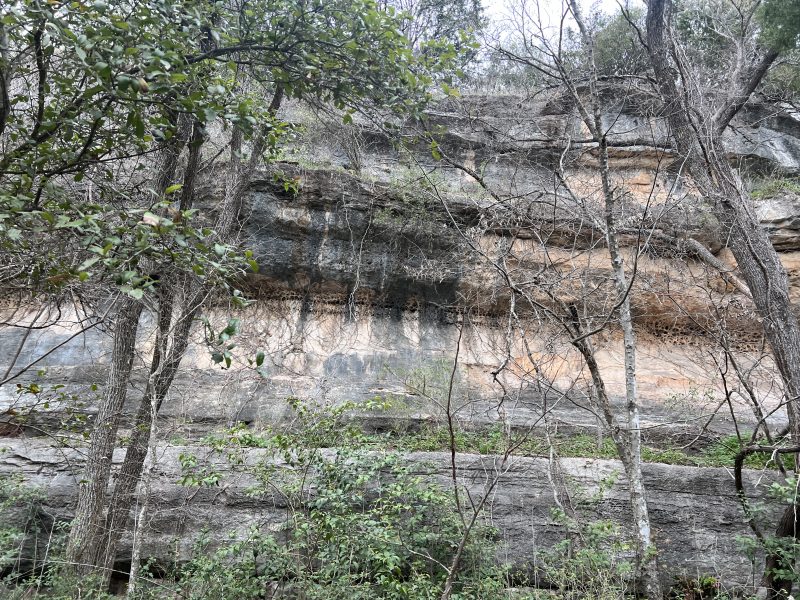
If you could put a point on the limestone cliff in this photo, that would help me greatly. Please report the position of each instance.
(383, 261)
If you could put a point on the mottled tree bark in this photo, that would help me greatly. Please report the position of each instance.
(181, 298)
(700, 146)
(86, 547)
(88, 529)
(164, 367)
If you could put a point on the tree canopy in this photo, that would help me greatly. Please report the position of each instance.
(89, 91)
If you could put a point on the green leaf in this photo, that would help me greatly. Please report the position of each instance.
(138, 125)
(85, 265)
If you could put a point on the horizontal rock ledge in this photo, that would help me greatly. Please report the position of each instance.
(695, 513)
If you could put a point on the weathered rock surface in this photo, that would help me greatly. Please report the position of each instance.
(363, 280)
(367, 277)
(324, 354)
(695, 512)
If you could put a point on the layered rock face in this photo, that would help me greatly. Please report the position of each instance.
(388, 262)
(695, 513)
(384, 265)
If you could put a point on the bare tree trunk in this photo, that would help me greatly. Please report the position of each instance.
(240, 175)
(761, 268)
(86, 548)
(5, 78)
(646, 558)
(87, 529)
(163, 370)
(175, 336)
(172, 339)
(766, 278)
(630, 445)
(139, 527)
(749, 242)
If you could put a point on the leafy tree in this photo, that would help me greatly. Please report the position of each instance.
(87, 89)
(434, 27)
(618, 50)
(780, 24)
(98, 103)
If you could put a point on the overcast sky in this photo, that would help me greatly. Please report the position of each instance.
(550, 12)
(496, 9)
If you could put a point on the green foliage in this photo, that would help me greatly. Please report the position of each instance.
(702, 25)
(400, 531)
(723, 452)
(194, 475)
(38, 397)
(106, 83)
(331, 428)
(244, 569)
(769, 188)
(35, 567)
(782, 83)
(89, 90)
(434, 438)
(362, 523)
(18, 506)
(32, 555)
(585, 563)
(704, 587)
(618, 50)
(780, 24)
(221, 345)
(709, 29)
(440, 28)
(784, 551)
(53, 584)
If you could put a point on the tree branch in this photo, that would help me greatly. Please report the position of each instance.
(726, 112)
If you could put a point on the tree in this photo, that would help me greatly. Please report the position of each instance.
(433, 26)
(698, 116)
(569, 62)
(123, 89)
(578, 72)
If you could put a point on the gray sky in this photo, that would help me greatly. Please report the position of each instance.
(496, 9)
(550, 11)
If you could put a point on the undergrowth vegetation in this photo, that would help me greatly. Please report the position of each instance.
(771, 187)
(436, 437)
(361, 523)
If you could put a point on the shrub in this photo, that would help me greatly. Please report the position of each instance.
(361, 525)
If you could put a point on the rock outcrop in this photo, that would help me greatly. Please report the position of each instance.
(382, 263)
(696, 515)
